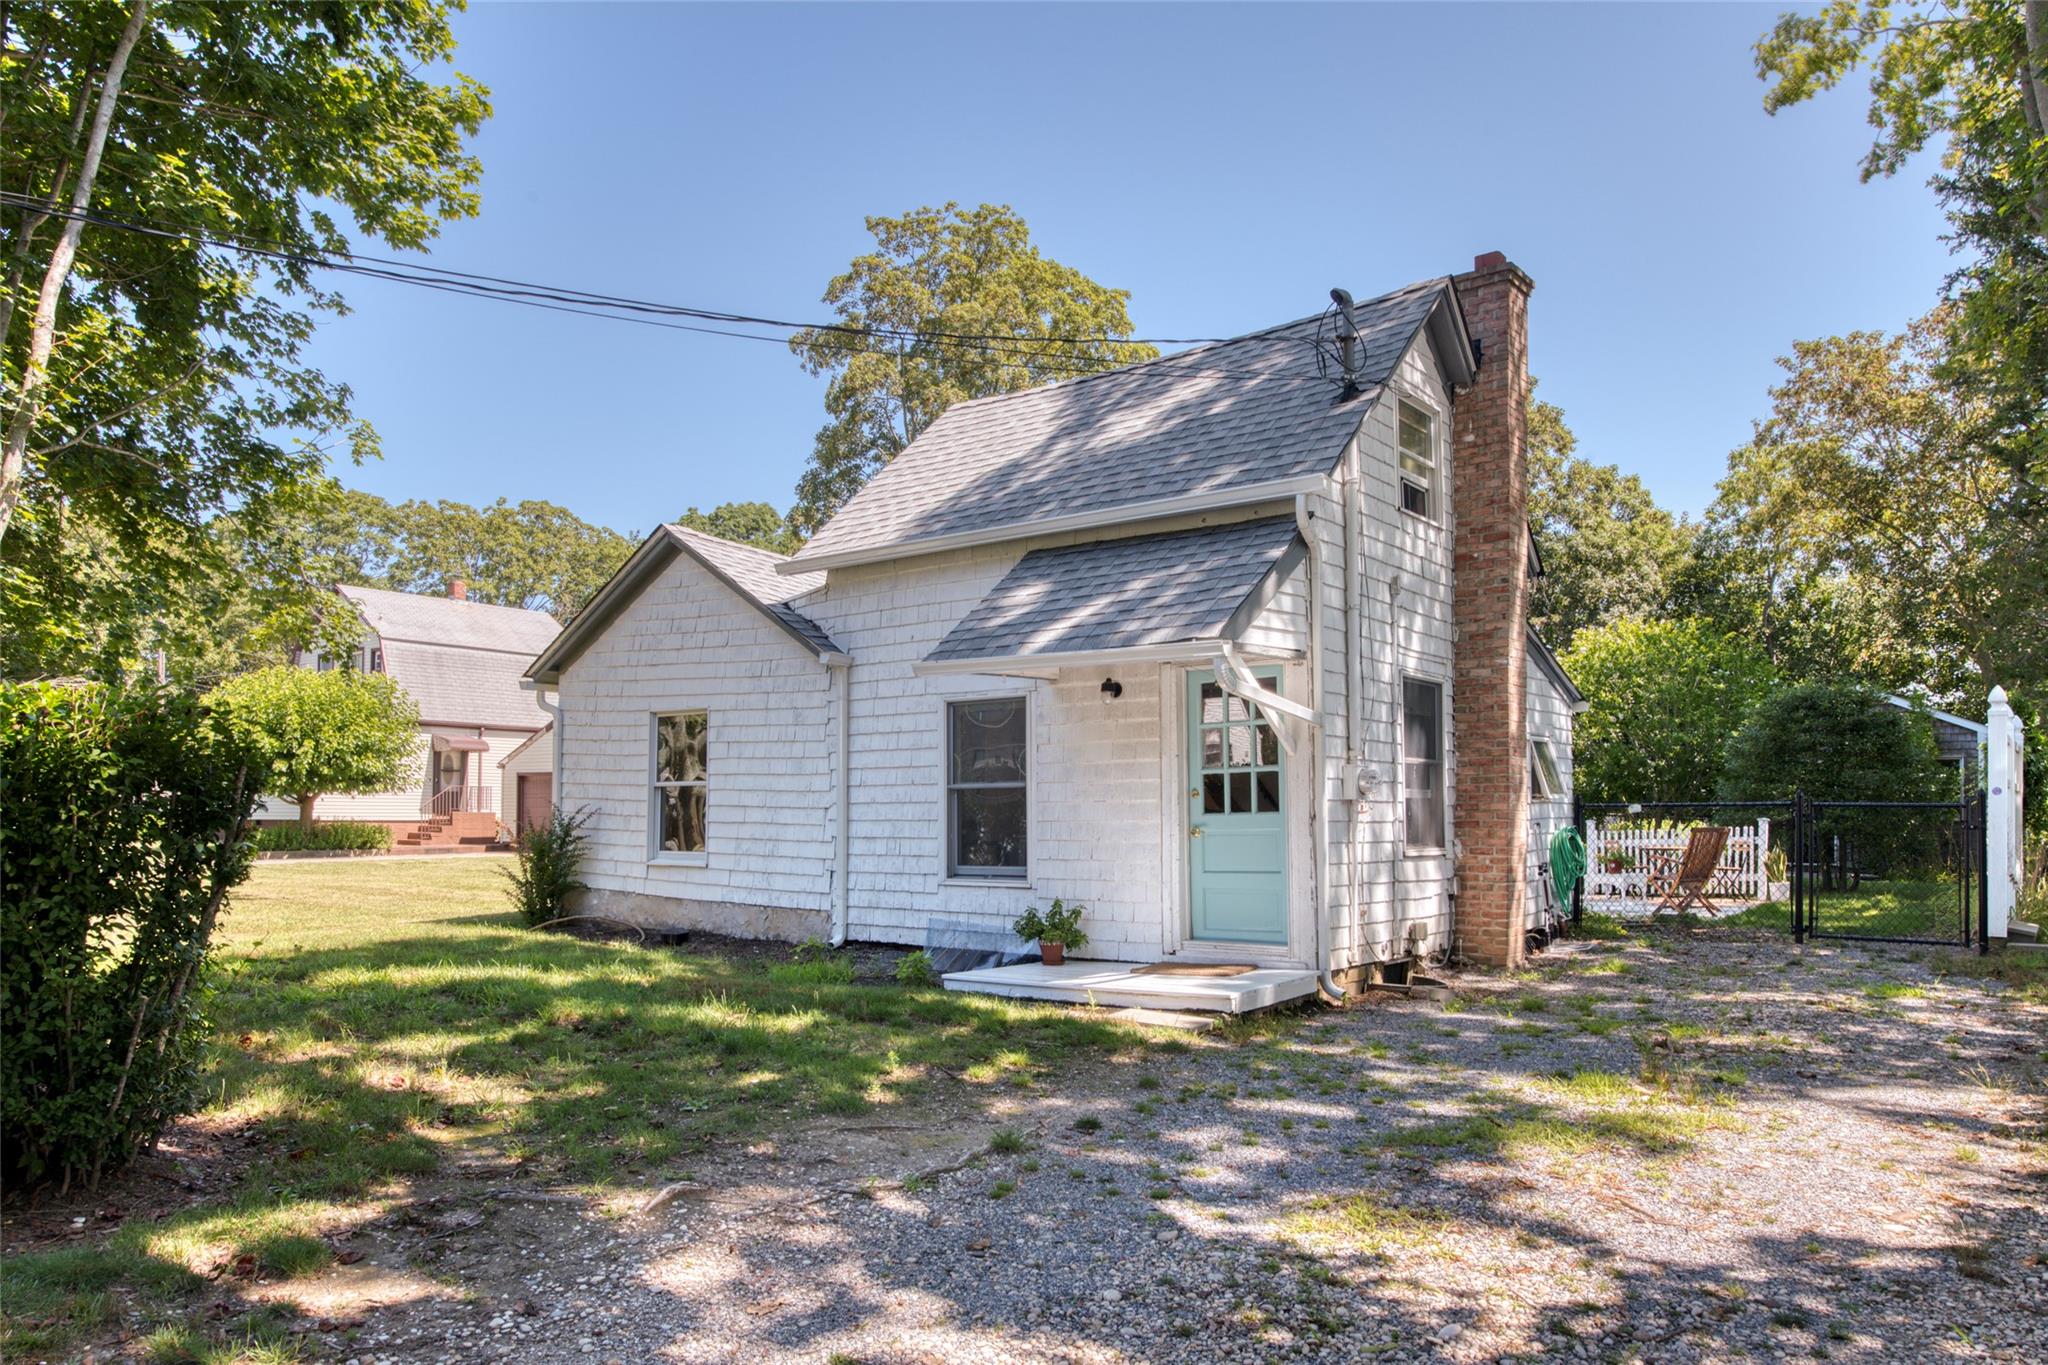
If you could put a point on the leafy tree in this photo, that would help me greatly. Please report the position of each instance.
(1609, 552)
(1971, 75)
(952, 304)
(1664, 697)
(1835, 741)
(529, 554)
(749, 523)
(153, 382)
(1859, 533)
(337, 731)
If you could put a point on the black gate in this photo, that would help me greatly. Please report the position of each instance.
(1890, 871)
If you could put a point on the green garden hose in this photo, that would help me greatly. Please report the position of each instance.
(1567, 863)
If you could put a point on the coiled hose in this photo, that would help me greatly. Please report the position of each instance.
(1567, 864)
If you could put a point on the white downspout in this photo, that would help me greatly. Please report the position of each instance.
(554, 710)
(1320, 805)
(842, 800)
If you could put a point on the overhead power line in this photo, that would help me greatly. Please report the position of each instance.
(1042, 353)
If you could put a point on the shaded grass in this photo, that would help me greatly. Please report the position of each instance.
(372, 1017)
(1899, 909)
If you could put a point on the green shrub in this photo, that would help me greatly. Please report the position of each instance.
(328, 836)
(124, 815)
(545, 875)
(915, 969)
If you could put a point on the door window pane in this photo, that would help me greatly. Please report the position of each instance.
(1240, 792)
(1212, 794)
(1269, 791)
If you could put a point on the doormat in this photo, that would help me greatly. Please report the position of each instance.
(1195, 969)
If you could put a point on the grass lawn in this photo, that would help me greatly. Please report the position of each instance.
(376, 1018)
(1883, 909)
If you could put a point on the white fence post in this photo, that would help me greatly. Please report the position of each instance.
(2004, 782)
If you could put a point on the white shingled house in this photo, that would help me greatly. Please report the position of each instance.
(1231, 647)
(461, 663)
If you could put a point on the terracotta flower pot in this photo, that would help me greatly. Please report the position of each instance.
(1055, 954)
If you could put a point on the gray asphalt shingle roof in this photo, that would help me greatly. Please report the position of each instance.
(1241, 412)
(452, 621)
(752, 570)
(1167, 588)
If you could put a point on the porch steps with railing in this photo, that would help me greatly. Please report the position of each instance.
(452, 832)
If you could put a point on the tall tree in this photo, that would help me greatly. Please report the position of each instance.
(749, 523)
(1972, 77)
(153, 381)
(528, 554)
(951, 304)
(1609, 551)
(1866, 502)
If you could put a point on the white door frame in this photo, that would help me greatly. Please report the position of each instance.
(1175, 892)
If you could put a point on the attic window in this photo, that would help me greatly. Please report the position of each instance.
(1418, 460)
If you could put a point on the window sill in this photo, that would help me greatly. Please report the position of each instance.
(680, 860)
(1425, 853)
(989, 883)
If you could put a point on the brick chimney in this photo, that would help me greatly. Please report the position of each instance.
(459, 589)
(1490, 508)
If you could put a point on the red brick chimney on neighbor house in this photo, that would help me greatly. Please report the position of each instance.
(459, 590)
(1489, 694)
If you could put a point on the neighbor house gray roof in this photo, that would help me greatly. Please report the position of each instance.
(1547, 661)
(747, 571)
(459, 661)
(1255, 411)
(452, 621)
(1170, 588)
(456, 686)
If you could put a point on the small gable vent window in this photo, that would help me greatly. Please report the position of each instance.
(1418, 461)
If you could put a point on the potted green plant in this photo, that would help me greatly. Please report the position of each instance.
(1056, 930)
(1619, 860)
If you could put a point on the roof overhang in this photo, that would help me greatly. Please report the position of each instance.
(641, 568)
(1210, 500)
(1452, 340)
(461, 744)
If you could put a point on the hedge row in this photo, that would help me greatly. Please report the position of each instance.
(324, 837)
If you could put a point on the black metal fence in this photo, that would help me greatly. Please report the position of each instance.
(1878, 871)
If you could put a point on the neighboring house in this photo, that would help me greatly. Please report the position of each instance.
(1229, 646)
(1553, 702)
(526, 783)
(461, 663)
(1960, 741)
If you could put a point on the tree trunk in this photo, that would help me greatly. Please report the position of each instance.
(42, 334)
(305, 800)
(2034, 93)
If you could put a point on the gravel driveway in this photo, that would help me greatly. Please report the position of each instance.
(1660, 1150)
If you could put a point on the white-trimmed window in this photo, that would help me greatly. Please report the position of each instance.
(680, 783)
(1422, 764)
(1418, 460)
(987, 788)
(1546, 779)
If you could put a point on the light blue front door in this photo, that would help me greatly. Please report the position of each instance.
(1237, 834)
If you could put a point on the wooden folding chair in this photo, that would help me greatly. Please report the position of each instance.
(1682, 882)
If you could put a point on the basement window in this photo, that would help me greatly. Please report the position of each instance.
(1418, 461)
(682, 776)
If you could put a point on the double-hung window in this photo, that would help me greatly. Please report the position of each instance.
(1422, 764)
(1418, 461)
(987, 801)
(682, 774)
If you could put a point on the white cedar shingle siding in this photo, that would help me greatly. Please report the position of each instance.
(688, 643)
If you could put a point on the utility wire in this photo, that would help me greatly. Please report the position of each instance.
(1027, 352)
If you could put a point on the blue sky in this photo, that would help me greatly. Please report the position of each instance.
(1226, 164)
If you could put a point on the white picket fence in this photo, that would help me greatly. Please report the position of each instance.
(1742, 873)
